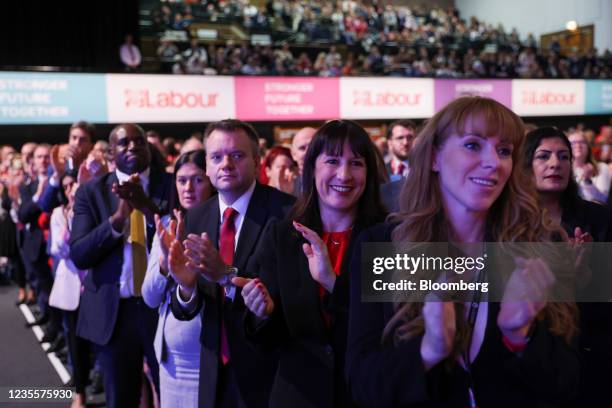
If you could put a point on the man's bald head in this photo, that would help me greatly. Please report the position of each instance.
(299, 145)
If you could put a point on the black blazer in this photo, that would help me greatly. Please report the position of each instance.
(595, 317)
(253, 372)
(390, 192)
(546, 375)
(92, 246)
(310, 371)
(33, 244)
(8, 230)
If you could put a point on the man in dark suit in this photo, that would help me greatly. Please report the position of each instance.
(80, 143)
(400, 136)
(33, 243)
(223, 235)
(108, 237)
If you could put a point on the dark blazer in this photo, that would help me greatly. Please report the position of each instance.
(252, 371)
(92, 246)
(547, 374)
(33, 240)
(8, 230)
(389, 193)
(50, 198)
(595, 317)
(311, 366)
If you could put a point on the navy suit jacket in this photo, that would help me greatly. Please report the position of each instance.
(92, 246)
(389, 192)
(50, 198)
(253, 373)
(33, 241)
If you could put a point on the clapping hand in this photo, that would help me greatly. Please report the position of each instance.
(524, 297)
(134, 194)
(167, 236)
(440, 330)
(57, 163)
(579, 246)
(181, 270)
(318, 258)
(91, 168)
(204, 257)
(132, 191)
(256, 296)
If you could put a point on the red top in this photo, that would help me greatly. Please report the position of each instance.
(337, 243)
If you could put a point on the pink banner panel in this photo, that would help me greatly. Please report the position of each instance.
(282, 98)
(446, 90)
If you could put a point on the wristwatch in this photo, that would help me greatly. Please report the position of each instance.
(229, 273)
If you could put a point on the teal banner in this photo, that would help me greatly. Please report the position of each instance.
(33, 98)
(598, 97)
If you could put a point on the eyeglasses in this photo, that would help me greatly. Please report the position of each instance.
(408, 138)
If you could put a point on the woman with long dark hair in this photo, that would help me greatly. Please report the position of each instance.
(464, 187)
(548, 157)
(299, 304)
(177, 345)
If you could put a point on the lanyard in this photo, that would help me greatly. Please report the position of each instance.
(472, 316)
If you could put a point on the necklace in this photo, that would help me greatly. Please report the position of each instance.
(472, 316)
(335, 237)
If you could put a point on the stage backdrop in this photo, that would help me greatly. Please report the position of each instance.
(49, 98)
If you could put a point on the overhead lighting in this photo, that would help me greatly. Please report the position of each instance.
(571, 25)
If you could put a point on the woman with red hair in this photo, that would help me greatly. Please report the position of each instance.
(278, 169)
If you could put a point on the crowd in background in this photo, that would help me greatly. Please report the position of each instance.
(373, 39)
(38, 184)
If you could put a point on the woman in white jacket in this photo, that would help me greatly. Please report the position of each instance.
(593, 177)
(177, 344)
(66, 290)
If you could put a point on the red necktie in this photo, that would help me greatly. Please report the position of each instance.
(400, 169)
(228, 236)
(226, 251)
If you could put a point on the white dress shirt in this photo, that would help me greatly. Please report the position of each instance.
(240, 205)
(126, 280)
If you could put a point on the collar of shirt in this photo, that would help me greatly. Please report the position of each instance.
(144, 178)
(240, 205)
(395, 164)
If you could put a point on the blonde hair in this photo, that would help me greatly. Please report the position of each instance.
(514, 217)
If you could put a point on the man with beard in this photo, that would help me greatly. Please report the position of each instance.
(400, 136)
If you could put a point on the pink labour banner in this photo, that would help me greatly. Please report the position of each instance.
(280, 99)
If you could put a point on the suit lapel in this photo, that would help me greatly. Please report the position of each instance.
(211, 222)
(254, 221)
(309, 289)
(158, 190)
(158, 194)
(110, 200)
(308, 295)
(32, 187)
